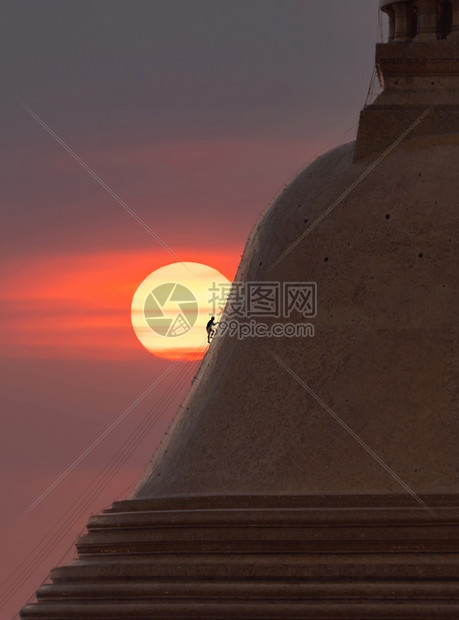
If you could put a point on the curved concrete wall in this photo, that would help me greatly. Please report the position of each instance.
(382, 358)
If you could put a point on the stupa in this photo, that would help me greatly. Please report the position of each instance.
(317, 477)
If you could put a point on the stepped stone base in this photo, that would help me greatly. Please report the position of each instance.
(348, 557)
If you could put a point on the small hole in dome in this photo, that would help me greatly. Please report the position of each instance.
(432, 83)
(326, 259)
(260, 264)
(387, 217)
(306, 221)
(421, 255)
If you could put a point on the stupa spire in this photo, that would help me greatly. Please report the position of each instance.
(421, 20)
(418, 66)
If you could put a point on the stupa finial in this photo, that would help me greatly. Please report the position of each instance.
(418, 67)
(421, 20)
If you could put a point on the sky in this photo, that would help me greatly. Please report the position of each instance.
(195, 113)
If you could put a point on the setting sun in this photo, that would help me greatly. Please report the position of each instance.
(171, 307)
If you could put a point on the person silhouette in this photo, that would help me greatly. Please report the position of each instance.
(210, 330)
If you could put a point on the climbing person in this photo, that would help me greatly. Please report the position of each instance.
(210, 330)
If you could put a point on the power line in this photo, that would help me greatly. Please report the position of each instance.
(78, 508)
(101, 437)
(53, 538)
(101, 182)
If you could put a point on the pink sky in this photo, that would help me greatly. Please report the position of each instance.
(79, 306)
(70, 361)
(196, 117)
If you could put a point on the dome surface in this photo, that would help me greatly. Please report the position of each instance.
(382, 357)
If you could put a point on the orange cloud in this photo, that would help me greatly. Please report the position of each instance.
(78, 306)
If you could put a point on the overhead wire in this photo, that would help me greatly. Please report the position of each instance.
(79, 507)
(88, 496)
(349, 131)
(73, 514)
(101, 437)
(371, 94)
(60, 561)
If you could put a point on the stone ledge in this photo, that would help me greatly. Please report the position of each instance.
(350, 557)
